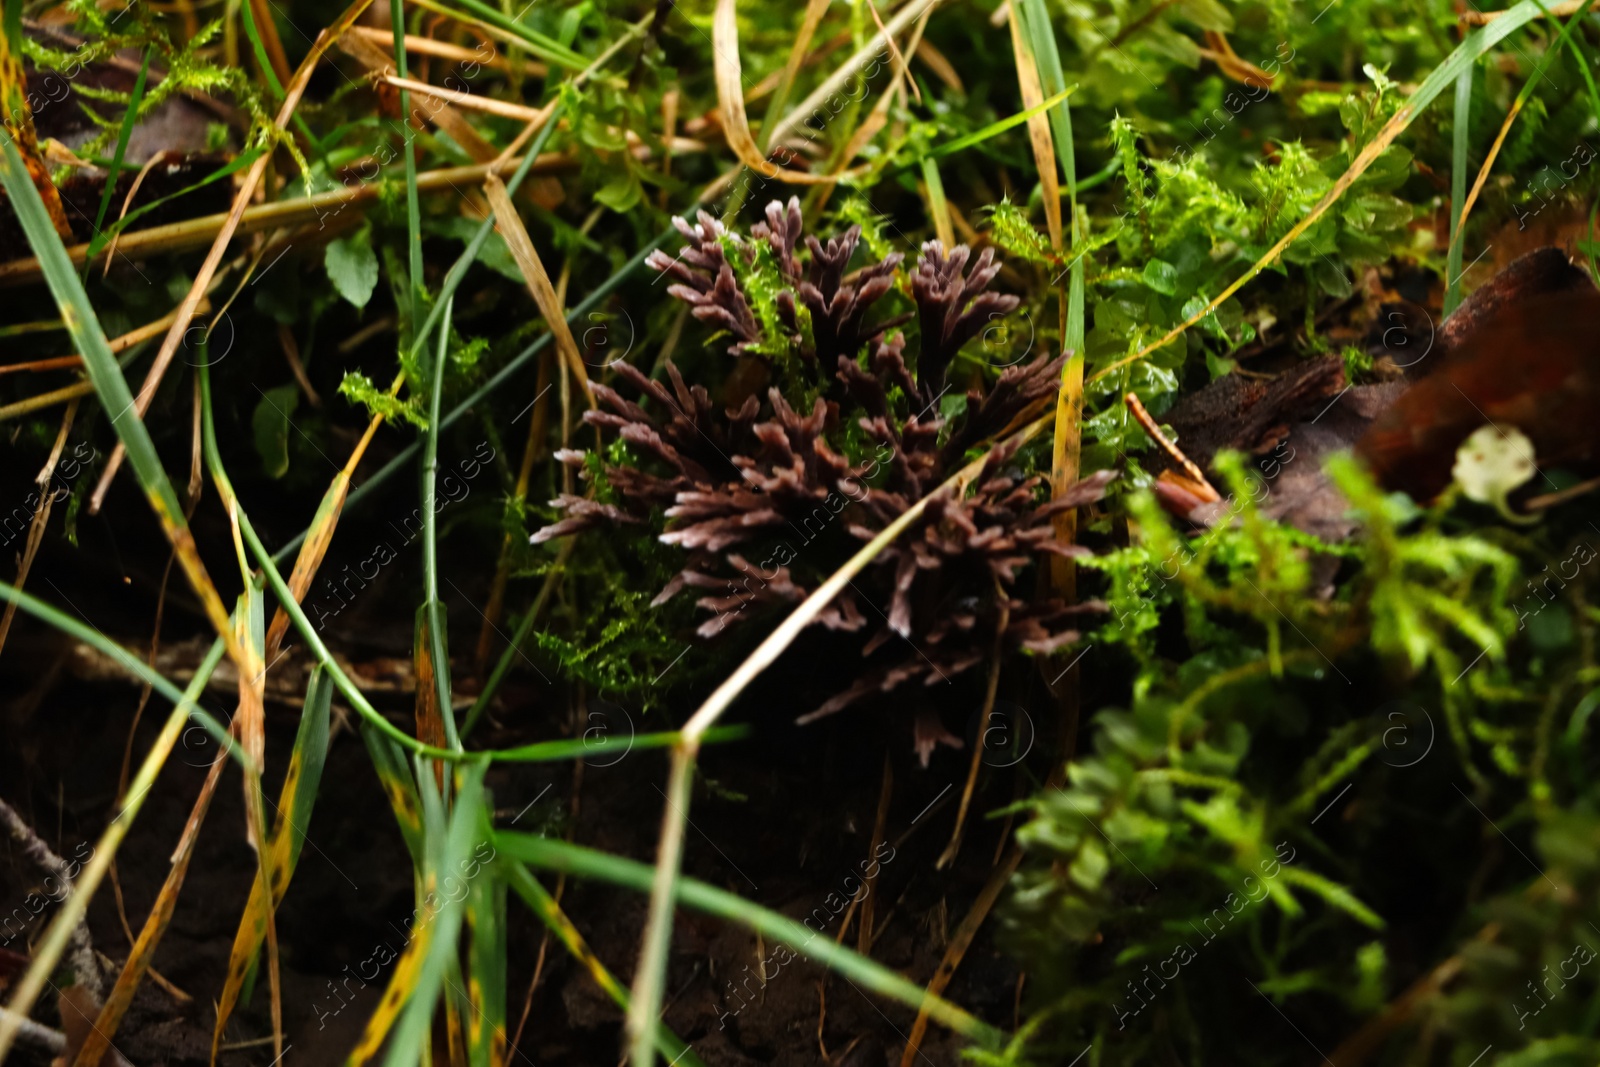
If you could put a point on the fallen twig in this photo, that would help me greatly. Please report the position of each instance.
(84, 966)
(36, 1034)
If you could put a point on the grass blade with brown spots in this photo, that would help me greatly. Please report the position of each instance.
(295, 802)
(956, 949)
(79, 317)
(428, 655)
(407, 975)
(486, 973)
(402, 459)
(319, 535)
(250, 727)
(389, 761)
(800, 939)
(549, 912)
(1039, 71)
(455, 853)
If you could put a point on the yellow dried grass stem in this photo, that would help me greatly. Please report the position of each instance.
(509, 223)
(867, 53)
(730, 101)
(471, 101)
(197, 233)
(427, 46)
(1578, 10)
(1475, 17)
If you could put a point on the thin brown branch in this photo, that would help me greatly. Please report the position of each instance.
(84, 388)
(960, 941)
(86, 970)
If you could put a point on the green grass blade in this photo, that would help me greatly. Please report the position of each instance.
(938, 206)
(587, 748)
(319, 650)
(1041, 41)
(664, 884)
(1578, 58)
(259, 48)
(1475, 44)
(110, 386)
(253, 32)
(546, 48)
(1101, 176)
(431, 654)
(996, 128)
(306, 761)
(1459, 206)
(103, 237)
(434, 369)
(519, 636)
(1460, 139)
(286, 598)
(453, 280)
(871, 976)
(539, 752)
(542, 751)
(512, 650)
(496, 381)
